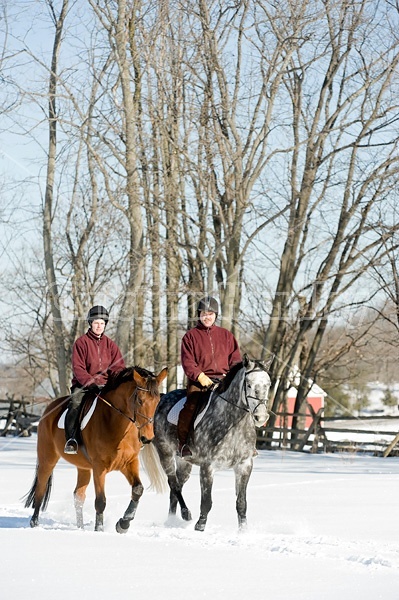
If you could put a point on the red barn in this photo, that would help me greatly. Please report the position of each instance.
(315, 398)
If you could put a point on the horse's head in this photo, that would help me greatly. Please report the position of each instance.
(144, 401)
(256, 389)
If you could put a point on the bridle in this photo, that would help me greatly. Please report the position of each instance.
(247, 396)
(132, 398)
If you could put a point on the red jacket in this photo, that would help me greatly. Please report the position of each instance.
(212, 351)
(92, 358)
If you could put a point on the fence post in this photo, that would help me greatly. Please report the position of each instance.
(314, 427)
(391, 446)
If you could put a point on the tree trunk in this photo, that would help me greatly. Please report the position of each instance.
(48, 205)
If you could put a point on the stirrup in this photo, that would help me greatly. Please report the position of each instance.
(71, 447)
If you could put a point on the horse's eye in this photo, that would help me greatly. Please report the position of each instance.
(139, 402)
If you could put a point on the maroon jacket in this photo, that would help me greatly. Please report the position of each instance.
(92, 357)
(212, 351)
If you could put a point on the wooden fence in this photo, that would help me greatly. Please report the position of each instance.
(325, 434)
(334, 434)
(18, 417)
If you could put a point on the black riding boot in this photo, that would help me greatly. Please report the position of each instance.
(72, 422)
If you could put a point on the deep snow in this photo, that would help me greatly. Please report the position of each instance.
(320, 527)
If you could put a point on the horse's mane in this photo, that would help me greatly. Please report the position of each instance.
(116, 379)
(226, 381)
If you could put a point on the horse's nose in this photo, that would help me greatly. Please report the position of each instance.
(145, 440)
(261, 416)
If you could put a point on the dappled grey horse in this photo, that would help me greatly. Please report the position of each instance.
(224, 437)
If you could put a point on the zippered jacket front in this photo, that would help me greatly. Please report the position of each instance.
(210, 350)
(93, 358)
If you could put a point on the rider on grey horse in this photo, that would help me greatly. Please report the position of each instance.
(207, 353)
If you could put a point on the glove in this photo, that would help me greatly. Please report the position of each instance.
(94, 388)
(204, 380)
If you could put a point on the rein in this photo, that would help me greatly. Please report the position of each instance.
(135, 411)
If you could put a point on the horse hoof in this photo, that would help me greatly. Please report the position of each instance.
(242, 524)
(186, 515)
(122, 526)
(200, 525)
(79, 522)
(34, 522)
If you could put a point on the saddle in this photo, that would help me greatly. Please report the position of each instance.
(85, 411)
(181, 396)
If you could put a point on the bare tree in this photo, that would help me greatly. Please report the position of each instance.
(119, 23)
(386, 274)
(52, 286)
(343, 167)
(247, 150)
(231, 156)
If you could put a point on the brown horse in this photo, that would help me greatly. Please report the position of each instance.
(120, 426)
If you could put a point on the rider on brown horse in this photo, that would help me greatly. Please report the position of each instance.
(94, 356)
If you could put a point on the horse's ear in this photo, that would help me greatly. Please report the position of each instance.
(245, 360)
(268, 362)
(161, 376)
(140, 381)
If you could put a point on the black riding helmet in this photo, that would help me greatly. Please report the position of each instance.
(208, 304)
(98, 312)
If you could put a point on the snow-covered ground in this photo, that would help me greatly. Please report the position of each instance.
(382, 420)
(320, 527)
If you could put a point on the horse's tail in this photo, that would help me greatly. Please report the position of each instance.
(152, 465)
(30, 496)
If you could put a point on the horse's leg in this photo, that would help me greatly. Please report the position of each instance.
(176, 478)
(132, 475)
(243, 473)
(124, 522)
(79, 494)
(206, 480)
(176, 497)
(172, 504)
(183, 472)
(100, 501)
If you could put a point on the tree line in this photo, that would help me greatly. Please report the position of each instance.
(248, 150)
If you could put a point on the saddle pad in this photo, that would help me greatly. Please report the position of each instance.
(173, 414)
(85, 420)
